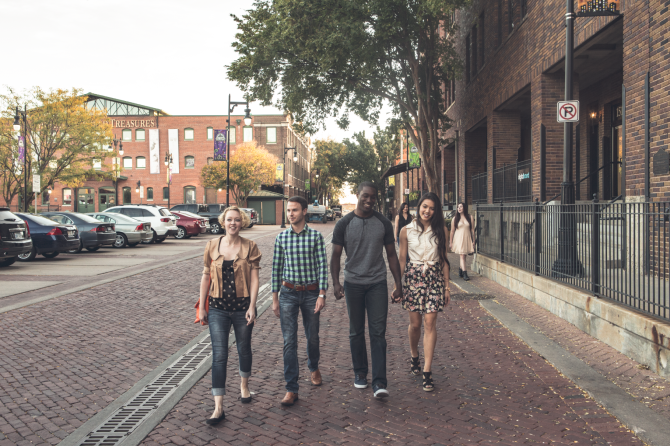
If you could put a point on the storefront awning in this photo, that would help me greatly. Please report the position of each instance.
(395, 170)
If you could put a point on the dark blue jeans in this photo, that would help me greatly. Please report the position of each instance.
(291, 303)
(375, 299)
(219, 330)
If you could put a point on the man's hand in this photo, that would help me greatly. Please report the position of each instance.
(275, 305)
(338, 289)
(396, 296)
(320, 305)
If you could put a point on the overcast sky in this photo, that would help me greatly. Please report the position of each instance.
(168, 54)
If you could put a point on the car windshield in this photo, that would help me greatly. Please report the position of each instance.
(83, 217)
(40, 220)
(189, 214)
(164, 212)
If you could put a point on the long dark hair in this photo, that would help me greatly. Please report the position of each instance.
(402, 206)
(457, 218)
(436, 224)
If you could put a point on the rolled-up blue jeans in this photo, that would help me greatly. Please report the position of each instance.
(291, 303)
(220, 322)
(374, 299)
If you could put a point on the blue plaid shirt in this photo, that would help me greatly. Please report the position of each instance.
(299, 258)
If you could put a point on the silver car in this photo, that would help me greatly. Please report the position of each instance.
(129, 232)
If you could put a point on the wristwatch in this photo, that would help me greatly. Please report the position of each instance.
(322, 295)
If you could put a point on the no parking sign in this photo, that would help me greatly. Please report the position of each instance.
(567, 111)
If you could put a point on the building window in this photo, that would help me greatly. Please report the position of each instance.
(166, 193)
(188, 134)
(150, 193)
(127, 162)
(510, 16)
(189, 195)
(247, 134)
(271, 135)
(127, 135)
(97, 164)
(45, 197)
(140, 162)
(139, 135)
(500, 22)
(467, 58)
(67, 197)
(210, 133)
(524, 8)
(482, 39)
(189, 162)
(126, 195)
(473, 58)
(231, 135)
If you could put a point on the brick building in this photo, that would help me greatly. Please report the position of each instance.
(190, 140)
(505, 142)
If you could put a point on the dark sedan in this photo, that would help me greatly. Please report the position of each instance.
(49, 237)
(14, 237)
(92, 233)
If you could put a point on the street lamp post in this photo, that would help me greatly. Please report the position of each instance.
(168, 163)
(117, 166)
(247, 121)
(17, 127)
(295, 160)
(137, 189)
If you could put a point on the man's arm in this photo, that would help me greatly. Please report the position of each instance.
(277, 273)
(335, 259)
(322, 266)
(394, 266)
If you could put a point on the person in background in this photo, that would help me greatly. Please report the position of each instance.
(462, 237)
(300, 272)
(425, 281)
(364, 234)
(230, 279)
(401, 220)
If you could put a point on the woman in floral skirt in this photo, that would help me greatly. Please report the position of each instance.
(425, 281)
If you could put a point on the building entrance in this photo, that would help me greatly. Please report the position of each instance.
(85, 200)
(107, 198)
(617, 151)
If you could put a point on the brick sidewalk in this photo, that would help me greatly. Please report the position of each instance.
(65, 359)
(491, 388)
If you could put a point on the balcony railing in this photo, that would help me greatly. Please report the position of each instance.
(513, 183)
(480, 188)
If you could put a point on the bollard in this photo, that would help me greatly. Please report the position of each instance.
(595, 246)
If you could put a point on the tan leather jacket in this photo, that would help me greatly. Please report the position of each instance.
(247, 259)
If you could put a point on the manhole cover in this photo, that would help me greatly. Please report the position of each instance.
(468, 296)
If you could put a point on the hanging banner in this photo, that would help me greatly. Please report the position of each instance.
(590, 8)
(307, 185)
(414, 157)
(279, 174)
(22, 149)
(173, 147)
(392, 180)
(154, 152)
(220, 146)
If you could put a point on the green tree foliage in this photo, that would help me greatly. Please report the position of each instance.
(327, 58)
(328, 159)
(63, 140)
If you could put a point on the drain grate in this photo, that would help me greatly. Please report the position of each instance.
(128, 417)
(468, 296)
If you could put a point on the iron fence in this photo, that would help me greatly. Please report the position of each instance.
(449, 194)
(480, 188)
(512, 183)
(618, 251)
(40, 208)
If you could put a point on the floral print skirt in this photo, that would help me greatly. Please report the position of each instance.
(423, 292)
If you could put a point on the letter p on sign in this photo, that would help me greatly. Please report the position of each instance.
(567, 111)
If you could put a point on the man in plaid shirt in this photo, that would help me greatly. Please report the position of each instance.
(300, 272)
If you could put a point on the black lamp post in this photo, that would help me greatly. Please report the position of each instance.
(137, 189)
(247, 121)
(316, 175)
(17, 127)
(117, 166)
(168, 163)
(295, 160)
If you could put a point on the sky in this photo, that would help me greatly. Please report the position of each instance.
(167, 54)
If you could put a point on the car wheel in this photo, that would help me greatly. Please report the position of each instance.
(181, 233)
(120, 241)
(76, 250)
(153, 238)
(7, 262)
(215, 228)
(93, 249)
(51, 255)
(132, 245)
(28, 256)
(251, 225)
(160, 240)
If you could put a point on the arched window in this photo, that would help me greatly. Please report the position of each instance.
(67, 197)
(150, 193)
(140, 162)
(126, 195)
(188, 134)
(189, 162)
(127, 162)
(210, 133)
(166, 193)
(127, 135)
(139, 135)
(189, 195)
(248, 134)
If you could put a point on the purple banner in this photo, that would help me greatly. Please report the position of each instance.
(220, 146)
(22, 149)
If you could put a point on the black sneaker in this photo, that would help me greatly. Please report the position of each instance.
(380, 391)
(361, 381)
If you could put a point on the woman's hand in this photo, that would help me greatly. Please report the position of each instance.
(202, 315)
(251, 315)
(396, 296)
(447, 296)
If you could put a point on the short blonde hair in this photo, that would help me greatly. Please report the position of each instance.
(246, 221)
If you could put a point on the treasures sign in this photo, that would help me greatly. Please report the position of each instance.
(135, 123)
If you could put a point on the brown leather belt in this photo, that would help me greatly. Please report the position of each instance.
(311, 287)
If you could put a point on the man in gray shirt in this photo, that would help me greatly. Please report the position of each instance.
(364, 234)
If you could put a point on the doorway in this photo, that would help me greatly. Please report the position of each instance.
(85, 200)
(106, 198)
(617, 150)
(593, 159)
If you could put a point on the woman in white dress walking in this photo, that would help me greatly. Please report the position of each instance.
(462, 237)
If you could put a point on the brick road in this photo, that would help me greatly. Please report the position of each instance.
(491, 388)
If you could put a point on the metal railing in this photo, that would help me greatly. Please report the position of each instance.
(621, 250)
(513, 182)
(480, 188)
(449, 194)
(40, 208)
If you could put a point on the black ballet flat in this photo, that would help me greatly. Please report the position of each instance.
(246, 400)
(217, 420)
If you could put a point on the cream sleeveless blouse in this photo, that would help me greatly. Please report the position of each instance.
(422, 246)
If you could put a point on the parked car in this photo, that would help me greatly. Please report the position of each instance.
(92, 233)
(189, 224)
(330, 215)
(253, 216)
(129, 231)
(163, 223)
(49, 237)
(14, 237)
(209, 211)
(337, 211)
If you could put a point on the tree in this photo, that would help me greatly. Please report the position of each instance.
(250, 167)
(328, 161)
(329, 57)
(64, 140)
